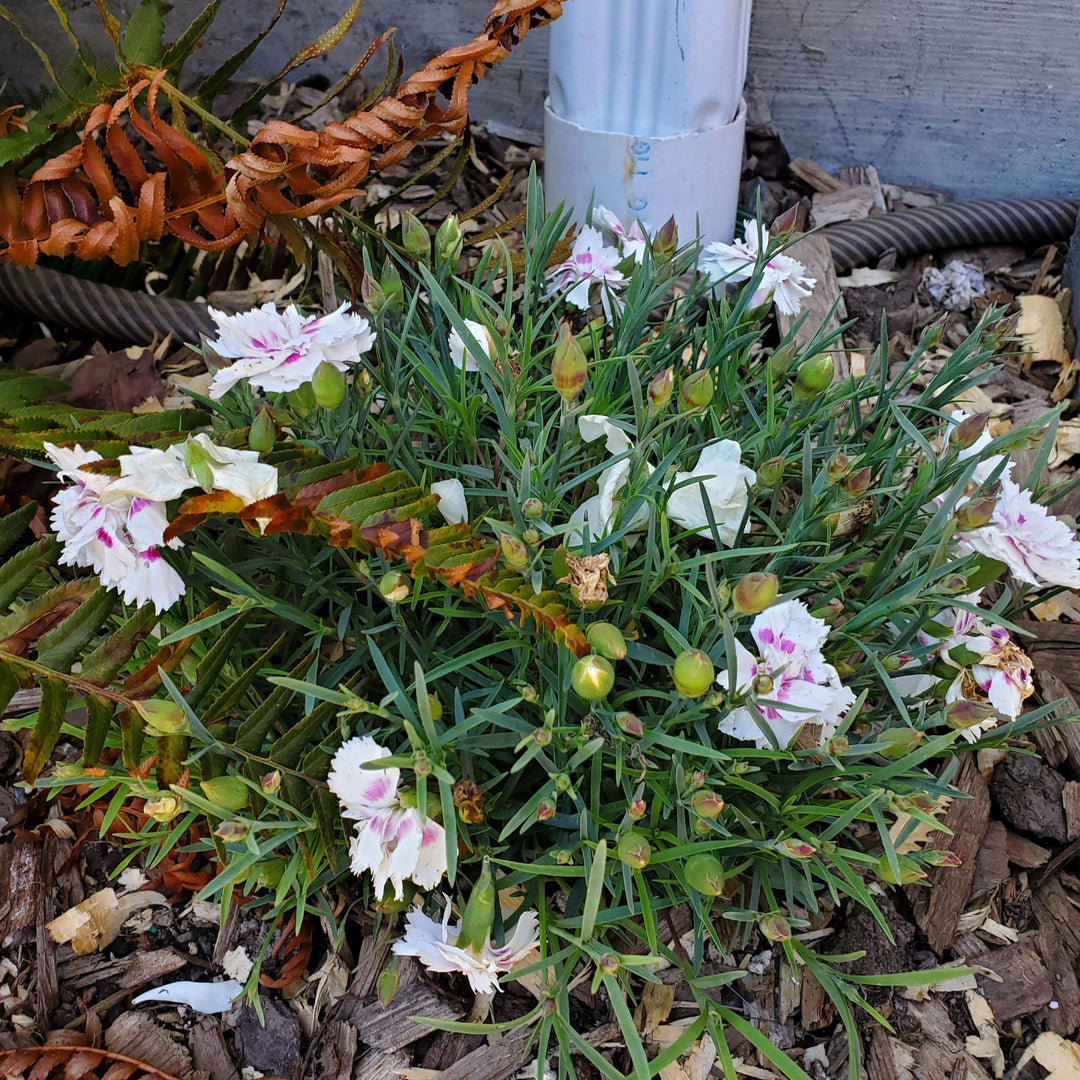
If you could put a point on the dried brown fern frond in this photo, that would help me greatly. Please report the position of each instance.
(108, 193)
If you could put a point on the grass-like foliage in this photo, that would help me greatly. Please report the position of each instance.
(552, 692)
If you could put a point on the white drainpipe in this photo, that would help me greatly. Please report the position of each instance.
(645, 114)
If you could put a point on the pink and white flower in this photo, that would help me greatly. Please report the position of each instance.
(391, 840)
(279, 351)
(784, 280)
(789, 676)
(591, 263)
(720, 481)
(1036, 547)
(631, 240)
(465, 356)
(435, 945)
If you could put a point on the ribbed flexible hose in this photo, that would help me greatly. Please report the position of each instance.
(136, 318)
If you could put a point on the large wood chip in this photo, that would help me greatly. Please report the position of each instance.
(136, 1035)
(1062, 1014)
(392, 1027)
(495, 1062)
(814, 253)
(1025, 982)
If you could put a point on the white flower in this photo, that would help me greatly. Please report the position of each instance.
(465, 357)
(718, 480)
(434, 944)
(596, 515)
(152, 581)
(280, 351)
(632, 240)
(1036, 547)
(790, 671)
(452, 504)
(590, 263)
(147, 473)
(237, 471)
(783, 279)
(392, 841)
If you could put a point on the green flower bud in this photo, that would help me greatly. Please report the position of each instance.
(371, 293)
(762, 684)
(422, 765)
(301, 401)
(609, 964)
(707, 804)
(961, 714)
(661, 387)
(531, 537)
(781, 358)
(226, 792)
(665, 240)
(838, 746)
(705, 873)
(696, 391)
(771, 472)
(262, 433)
(542, 736)
(814, 377)
(528, 693)
(163, 807)
(394, 587)
(434, 707)
(630, 724)
(414, 237)
(606, 640)
(955, 583)
(198, 463)
(163, 717)
(755, 592)
(693, 673)
(592, 678)
(637, 809)
(910, 871)
(328, 385)
(232, 830)
(839, 466)
(390, 282)
(562, 782)
(563, 857)
(569, 366)
(449, 241)
(899, 741)
(514, 550)
(389, 980)
(532, 508)
(855, 484)
(775, 927)
(974, 514)
(271, 782)
(545, 809)
(941, 858)
(795, 849)
(966, 433)
(703, 826)
(697, 779)
(479, 913)
(633, 849)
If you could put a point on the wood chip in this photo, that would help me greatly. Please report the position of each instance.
(136, 1035)
(1062, 1014)
(1025, 982)
(991, 862)
(1041, 328)
(495, 1062)
(211, 1054)
(812, 173)
(849, 204)
(1024, 852)
(1058, 1056)
(817, 312)
(392, 1027)
(1070, 799)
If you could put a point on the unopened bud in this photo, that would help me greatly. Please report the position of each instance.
(531, 537)
(232, 830)
(696, 391)
(961, 714)
(775, 927)
(592, 678)
(665, 240)
(781, 358)
(414, 237)
(637, 809)
(569, 366)
(703, 826)
(394, 587)
(630, 725)
(390, 281)
(974, 514)
(163, 807)
(529, 693)
(705, 873)
(388, 982)
(898, 741)
(707, 804)
(562, 782)
(261, 434)
(514, 550)
(839, 466)
(838, 746)
(163, 717)
(942, 858)
(545, 809)
(422, 765)
(226, 792)
(966, 434)
(771, 472)
(856, 484)
(606, 640)
(910, 871)
(434, 707)
(633, 849)
(795, 849)
(697, 779)
(542, 736)
(449, 241)
(813, 378)
(271, 782)
(693, 673)
(755, 592)
(371, 294)
(608, 963)
(328, 385)
(955, 583)
(661, 387)
(762, 684)
(562, 857)
(787, 221)
(532, 508)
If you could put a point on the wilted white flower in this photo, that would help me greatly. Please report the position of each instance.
(590, 263)
(632, 240)
(452, 504)
(718, 480)
(278, 351)
(1036, 547)
(392, 840)
(219, 468)
(789, 671)
(783, 280)
(434, 944)
(466, 356)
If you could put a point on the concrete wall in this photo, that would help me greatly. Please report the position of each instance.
(980, 96)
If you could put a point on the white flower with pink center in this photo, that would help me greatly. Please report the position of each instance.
(391, 840)
(790, 679)
(1036, 547)
(435, 945)
(632, 240)
(279, 351)
(591, 263)
(784, 280)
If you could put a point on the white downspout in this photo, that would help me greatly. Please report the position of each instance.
(644, 113)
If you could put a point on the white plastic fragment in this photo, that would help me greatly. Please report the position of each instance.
(204, 997)
(956, 285)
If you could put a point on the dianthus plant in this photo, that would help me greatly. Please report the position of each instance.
(585, 595)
